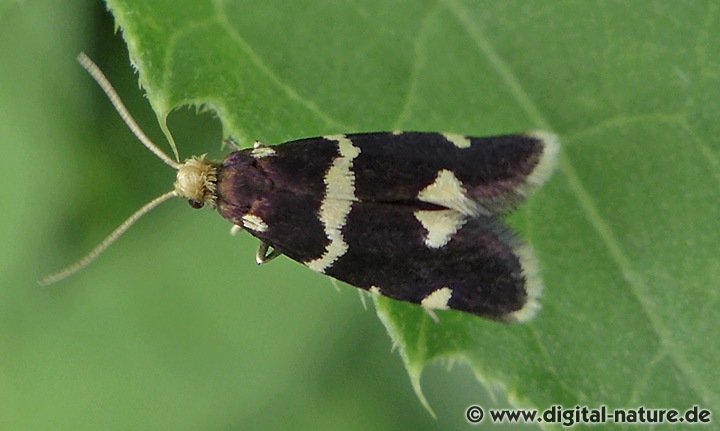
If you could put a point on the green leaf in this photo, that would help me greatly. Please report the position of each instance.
(625, 232)
(174, 327)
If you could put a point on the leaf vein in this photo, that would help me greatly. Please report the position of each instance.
(291, 93)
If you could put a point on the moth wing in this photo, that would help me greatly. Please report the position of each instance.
(439, 259)
(409, 254)
(473, 175)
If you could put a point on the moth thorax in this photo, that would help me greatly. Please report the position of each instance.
(196, 181)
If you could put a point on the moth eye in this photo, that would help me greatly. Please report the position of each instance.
(195, 203)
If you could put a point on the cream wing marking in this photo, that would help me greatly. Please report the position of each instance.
(438, 299)
(447, 190)
(337, 203)
(459, 141)
(440, 225)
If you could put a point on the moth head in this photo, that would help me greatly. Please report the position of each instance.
(196, 181)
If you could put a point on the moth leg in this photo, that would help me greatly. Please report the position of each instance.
(262, 255)
(232, 144)
(235, 229)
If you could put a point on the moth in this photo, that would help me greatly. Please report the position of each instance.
(413, 216)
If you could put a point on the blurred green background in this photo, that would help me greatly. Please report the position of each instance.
(174, 327)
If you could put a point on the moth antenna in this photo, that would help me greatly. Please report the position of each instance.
(97, 251)
(108, 89)
(103, 82)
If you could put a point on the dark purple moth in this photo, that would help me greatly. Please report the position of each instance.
(414, 216)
